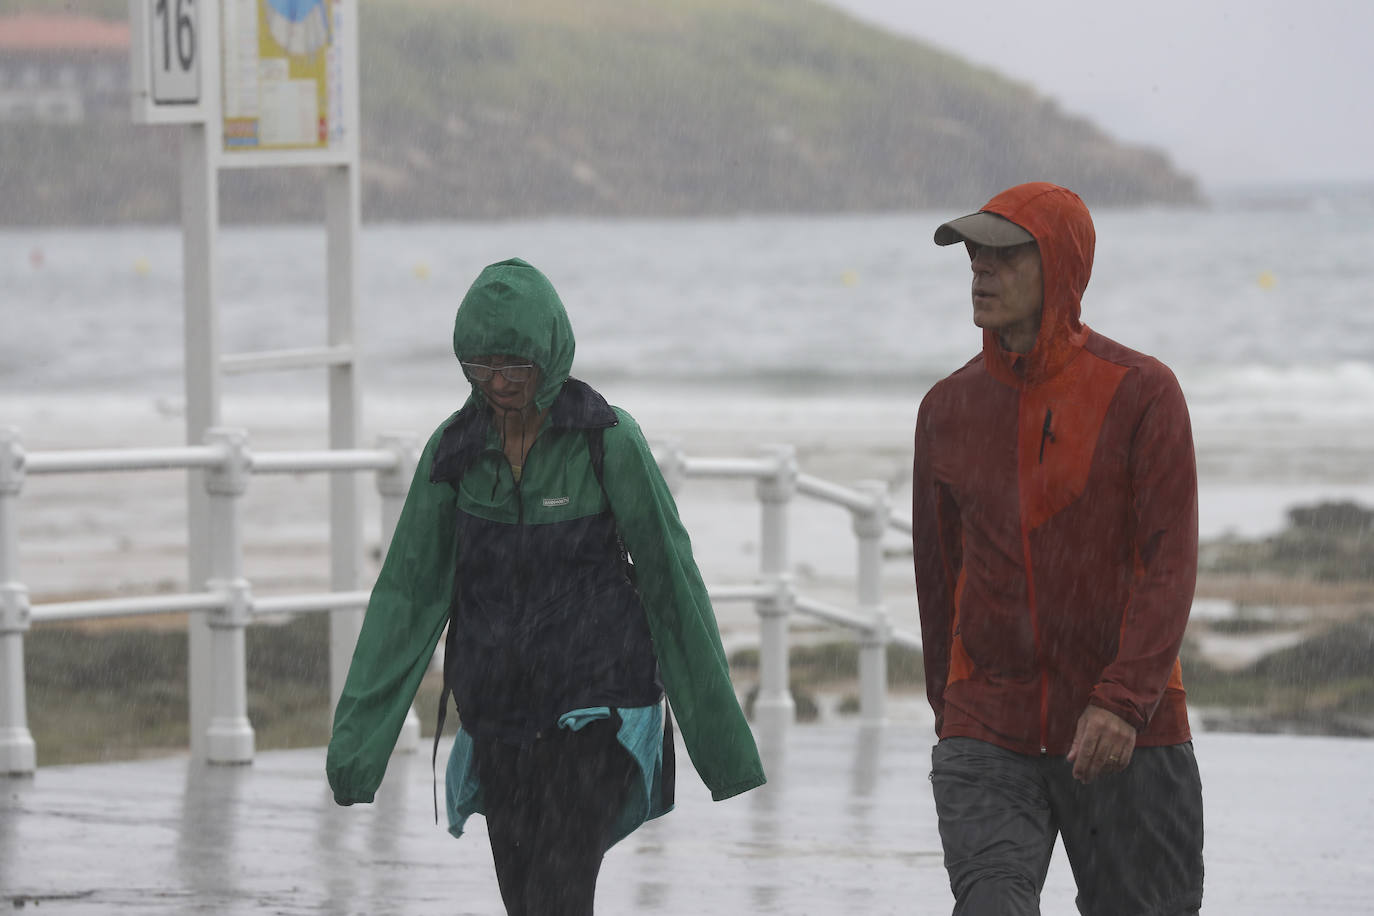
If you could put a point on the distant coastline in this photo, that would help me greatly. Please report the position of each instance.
(484, 110)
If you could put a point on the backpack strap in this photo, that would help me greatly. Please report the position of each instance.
(434, 757)
(596, 448)
(669, 760)
(460, 445)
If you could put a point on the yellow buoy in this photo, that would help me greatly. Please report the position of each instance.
(1267, 280)
(850, 278)
(142, 267)
(421, 270)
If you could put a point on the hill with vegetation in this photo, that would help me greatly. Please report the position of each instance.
(493, 108)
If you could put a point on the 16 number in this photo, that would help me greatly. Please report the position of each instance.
(185, 33)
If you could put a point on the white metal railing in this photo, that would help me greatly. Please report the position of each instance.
(227, 600)
(778, 482)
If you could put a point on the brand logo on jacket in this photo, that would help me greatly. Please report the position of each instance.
(551, 502)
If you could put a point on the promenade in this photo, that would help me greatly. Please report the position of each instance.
(845, 826)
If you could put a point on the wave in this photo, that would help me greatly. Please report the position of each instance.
(1337, 393)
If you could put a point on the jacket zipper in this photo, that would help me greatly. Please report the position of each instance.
(520, 509)
(1046, 434)
(521, 586)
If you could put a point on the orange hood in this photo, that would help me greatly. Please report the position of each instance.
(1063, 229)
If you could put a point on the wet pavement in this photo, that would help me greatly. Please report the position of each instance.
(845, 826)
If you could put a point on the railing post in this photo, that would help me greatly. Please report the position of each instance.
(18, 757)
(869, 527)
(774, 708)
(673, 465)
(229, 736)
(393, 484)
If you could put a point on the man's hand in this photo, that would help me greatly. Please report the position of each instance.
(1103, 743)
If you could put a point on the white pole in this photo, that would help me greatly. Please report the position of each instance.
(343, 219)
(869, 527)
(341, 216)
(774, 708)
(229, 737)
(393, 485)
(18, 756)
(201, 371)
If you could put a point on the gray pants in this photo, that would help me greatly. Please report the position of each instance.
(1133, 839)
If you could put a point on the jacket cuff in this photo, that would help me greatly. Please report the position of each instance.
(1125, 711)
(345, 799)
(348, 795)
(736, 788)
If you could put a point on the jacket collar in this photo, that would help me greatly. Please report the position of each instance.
(1063, 229)
(577, 406)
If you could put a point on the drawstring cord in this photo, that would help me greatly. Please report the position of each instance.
(505, 415)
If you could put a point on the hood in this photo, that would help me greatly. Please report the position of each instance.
(512, 308)
(1063, 229)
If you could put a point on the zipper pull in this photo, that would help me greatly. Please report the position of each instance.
(1046, 434)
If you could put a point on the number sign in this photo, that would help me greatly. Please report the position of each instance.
(174, 44)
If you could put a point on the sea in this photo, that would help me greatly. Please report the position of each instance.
(722, 336)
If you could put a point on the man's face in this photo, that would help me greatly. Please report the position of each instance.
(1008, 291)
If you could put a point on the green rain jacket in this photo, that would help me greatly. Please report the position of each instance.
(513, 309)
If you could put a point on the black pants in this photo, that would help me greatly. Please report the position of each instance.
(1133, 839)
(550, 808)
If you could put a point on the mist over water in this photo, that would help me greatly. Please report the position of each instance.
(775, 302)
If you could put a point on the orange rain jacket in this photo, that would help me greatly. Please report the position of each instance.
(1055, 520)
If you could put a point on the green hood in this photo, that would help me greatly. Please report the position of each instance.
(512, 308)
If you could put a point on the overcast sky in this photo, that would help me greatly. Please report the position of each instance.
(1236, 92)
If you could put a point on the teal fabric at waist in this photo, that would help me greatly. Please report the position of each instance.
(640, 733)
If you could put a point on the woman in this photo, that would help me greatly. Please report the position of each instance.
(518, 531)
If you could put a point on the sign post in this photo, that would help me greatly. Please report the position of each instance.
(173, 80)
(259, 84)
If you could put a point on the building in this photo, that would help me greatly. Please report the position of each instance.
(63, 69)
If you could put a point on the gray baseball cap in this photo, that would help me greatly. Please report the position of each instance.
(982, 228)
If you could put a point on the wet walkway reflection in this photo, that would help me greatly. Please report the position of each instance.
(845, 825)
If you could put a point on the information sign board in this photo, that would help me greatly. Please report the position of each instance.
(283, 74)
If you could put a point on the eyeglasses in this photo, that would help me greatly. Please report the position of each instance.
(517, 373)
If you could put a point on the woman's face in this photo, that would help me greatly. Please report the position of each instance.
(508, 382)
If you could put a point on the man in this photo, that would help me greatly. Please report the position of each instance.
(1055, 533)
